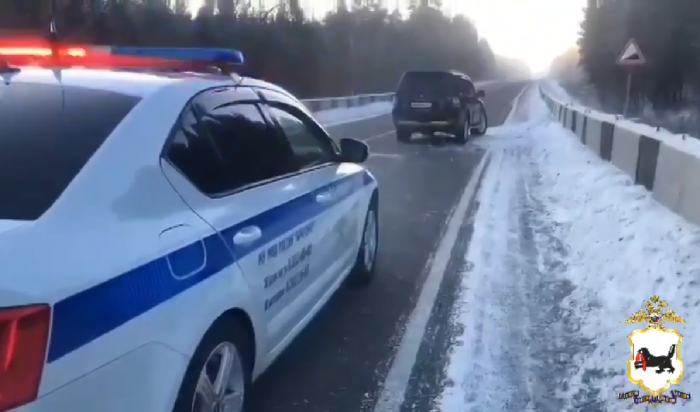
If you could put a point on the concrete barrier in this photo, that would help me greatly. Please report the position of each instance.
(667, 165)
(625, 151)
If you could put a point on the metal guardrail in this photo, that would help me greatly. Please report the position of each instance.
(316, 105)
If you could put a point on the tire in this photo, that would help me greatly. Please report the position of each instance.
(462, 133)
(483, 126)
(403, 135)
(363, 271)
(226, 334)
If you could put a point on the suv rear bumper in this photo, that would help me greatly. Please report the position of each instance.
(413, 123)
(435, 125)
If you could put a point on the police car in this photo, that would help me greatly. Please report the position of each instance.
(164, 235)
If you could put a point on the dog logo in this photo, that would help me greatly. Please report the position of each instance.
(655, 364)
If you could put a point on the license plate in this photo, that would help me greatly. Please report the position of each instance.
(421, 105)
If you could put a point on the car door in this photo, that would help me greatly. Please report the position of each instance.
(338, 229)
(255, 198)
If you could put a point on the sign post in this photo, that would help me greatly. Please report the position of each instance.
(630, 57)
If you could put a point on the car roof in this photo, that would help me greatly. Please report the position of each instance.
(412, 73)
(133, 83)
(139, 84)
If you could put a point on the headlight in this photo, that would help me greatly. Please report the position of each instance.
(455, 102)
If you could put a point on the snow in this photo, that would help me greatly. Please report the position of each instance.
(564, 249)
(342, 115)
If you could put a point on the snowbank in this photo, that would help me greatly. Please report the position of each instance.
(565, 248)
(624, 248)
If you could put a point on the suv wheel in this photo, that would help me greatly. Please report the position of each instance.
(403, 135)
(462, 133)
(480, 130)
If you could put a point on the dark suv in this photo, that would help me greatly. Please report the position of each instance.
(438, 101)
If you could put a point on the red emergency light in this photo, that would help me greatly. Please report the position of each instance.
(38, 52)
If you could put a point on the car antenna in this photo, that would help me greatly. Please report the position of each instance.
(54, 42)
(53, 31)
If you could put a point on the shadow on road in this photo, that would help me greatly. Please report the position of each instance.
(437, 139)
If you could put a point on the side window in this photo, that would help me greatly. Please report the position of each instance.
(250, 149)
(311, 147)
(192, 152)
(467, 88)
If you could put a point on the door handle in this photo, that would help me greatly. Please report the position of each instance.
(247, 235)
(324, 197)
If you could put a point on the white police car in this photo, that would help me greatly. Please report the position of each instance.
(163, 236)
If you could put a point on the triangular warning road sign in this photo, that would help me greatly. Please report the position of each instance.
(631, 55)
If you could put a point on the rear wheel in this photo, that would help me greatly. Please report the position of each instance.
(462, 133)
(403, 135)
(480, 130)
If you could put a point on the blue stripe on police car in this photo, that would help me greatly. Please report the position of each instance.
(81, 318)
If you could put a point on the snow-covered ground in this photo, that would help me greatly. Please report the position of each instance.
(342, 115)
(565, 248)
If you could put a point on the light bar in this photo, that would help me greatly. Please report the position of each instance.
(39, 52)
(204, 55)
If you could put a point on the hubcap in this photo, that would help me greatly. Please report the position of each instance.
(370, 237)
(221, 386)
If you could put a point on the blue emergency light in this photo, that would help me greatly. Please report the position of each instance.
(200, 55)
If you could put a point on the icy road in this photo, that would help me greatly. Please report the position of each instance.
(506, 269)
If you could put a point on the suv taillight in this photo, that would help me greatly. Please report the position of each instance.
(24, 335)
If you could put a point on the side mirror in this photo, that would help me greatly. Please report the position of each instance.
(480, 94)
(353, 151)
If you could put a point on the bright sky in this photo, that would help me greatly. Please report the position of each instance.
(534, 31)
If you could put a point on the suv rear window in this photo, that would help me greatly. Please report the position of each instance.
(47, 134)
(428, 84)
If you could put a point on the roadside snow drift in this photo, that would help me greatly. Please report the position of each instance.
(565, 249)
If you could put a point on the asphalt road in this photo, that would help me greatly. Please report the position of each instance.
(339, 363)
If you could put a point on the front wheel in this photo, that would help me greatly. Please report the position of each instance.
(219, 375)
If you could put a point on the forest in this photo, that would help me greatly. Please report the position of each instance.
(363, 50)
(668, 34)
